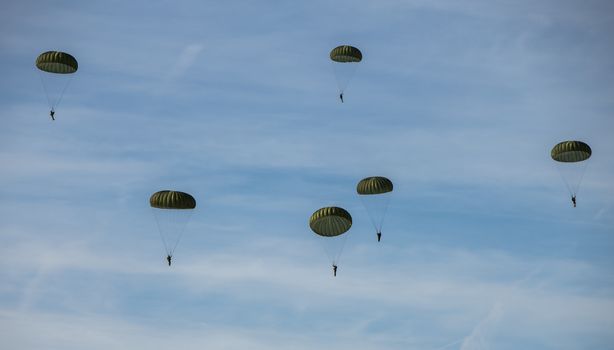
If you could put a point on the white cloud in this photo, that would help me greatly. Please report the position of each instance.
(186, 59)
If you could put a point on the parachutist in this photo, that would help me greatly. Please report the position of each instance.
(334, 270)
(379, 236)
(573, 200)
(168, 258)
(55, 63)
(341, 97)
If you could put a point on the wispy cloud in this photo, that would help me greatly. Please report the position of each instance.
(478, 339)
(186, 59)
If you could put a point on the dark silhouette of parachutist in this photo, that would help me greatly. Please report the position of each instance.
(341, 97)
(52, 113)
(168, 258)
(334, 270)
(379, 236)
(573, 200)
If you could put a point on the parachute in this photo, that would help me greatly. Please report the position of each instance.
(375, 192)
(331, 224)
(570, 157)
(172, 210)
(345, 59)
(56, 70)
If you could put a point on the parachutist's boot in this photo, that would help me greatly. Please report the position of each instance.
(379, 236)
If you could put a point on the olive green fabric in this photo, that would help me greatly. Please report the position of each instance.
(345, 54)
(330, 221)
(571, 151)
(57, 62)
(172, 200)
(374, 185)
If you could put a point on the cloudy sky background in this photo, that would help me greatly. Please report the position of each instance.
(235, 102)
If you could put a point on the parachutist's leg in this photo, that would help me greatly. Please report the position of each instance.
(379, 236)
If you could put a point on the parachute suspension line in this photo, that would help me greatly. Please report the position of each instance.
(40, 75)
(333, 249)
(70, 78)
(340, 85)
(54, 104)
(582, 172)
(376, 221)
(344, 73)
(571, 188)
(160, 232)
(559, 168)
(181, 233)
(177, 221)
(371, 218)
(344, 238)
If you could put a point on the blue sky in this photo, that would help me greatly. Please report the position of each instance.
(235, 102)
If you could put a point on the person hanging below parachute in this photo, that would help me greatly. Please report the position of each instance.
(331, 224)
(375, 194)
(345, 59)
(172, 210)
(56, 70)
(571, 157)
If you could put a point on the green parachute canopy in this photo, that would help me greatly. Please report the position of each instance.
(346, 54)
(172, 200)
(571, 151)
(330, 221)
(57, 62)
(374, 185)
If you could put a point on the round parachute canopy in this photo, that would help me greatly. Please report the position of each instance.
(374, 185)
(571, 151)
(330, 221)
(57, 62)
(346, 54)
(172, 200)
